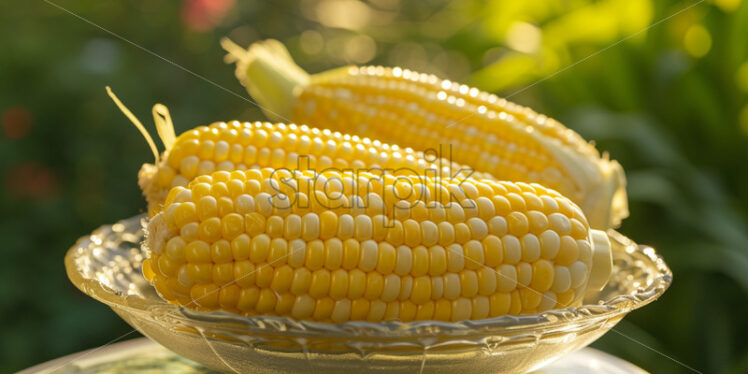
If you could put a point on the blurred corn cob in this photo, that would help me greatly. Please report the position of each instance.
(279, 242)
(421, 111)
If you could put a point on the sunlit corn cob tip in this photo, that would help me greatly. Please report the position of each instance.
(421, 111)
(274, 74)
(240, 146)
(337, 247)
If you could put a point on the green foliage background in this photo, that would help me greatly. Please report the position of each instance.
(670, 103)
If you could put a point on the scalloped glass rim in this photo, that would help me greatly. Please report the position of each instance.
(106, 266)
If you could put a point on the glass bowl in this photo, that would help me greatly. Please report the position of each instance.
(106, 266)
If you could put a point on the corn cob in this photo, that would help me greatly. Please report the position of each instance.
(240, 146)
(421, 111)
(346, 246)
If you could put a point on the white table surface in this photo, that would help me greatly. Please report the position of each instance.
(141, 354)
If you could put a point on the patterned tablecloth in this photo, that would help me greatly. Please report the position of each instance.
(142, 356)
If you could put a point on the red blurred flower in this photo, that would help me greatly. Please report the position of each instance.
(16, 122)
(31, 180)
(203, 15)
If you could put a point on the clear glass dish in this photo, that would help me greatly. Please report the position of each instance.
(106, 266)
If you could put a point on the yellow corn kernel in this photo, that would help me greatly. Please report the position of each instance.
(320, 284)
(228, 296)
(480, 308)
(302, 279)
(356, 284)
(333, 253)
(524, 274)
(421, 290)
(303, 307)
(499, 304)
(462, 309)
(205, 295)
(264, 275)
(408, 311)
(244, 273)
(437, 260)
(223, 273)
(542, 271)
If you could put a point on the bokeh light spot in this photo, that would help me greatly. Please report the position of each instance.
(31, 180)
(16, 122)
(743, 119)
(523, 37)
(311, 42)
(360, 49)
(204, 15)
(727, 5)
(100, 56)
(346, 14)
(697, 41)
(741, 77)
